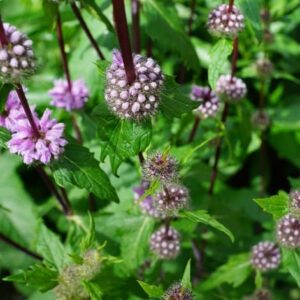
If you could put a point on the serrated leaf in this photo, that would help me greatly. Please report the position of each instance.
(151, 290)
(173, 102)
(291, 260)
(120, 139)
(93, 290)
(186, 278)
(277, 205)
(50, 247)
(37, 276)
(163, 15)
(4, 137)
(202, 216)
(78, 166)
(218, 55)
(234, 272)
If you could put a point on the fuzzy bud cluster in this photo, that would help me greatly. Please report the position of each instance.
(165, 242)
(225, 21)
(261, 120)
(265, 256)
(288, 231)
(160, 166)
(209, 101)
(178, 292)
(231, 89)
(139, 99)
(295, 201)
(17, 60)
(171, 198)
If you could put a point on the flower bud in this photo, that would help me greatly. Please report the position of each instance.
(178, 292)
(288, 232)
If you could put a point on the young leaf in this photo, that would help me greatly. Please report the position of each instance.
(277, 205)
(78, 166)
(219, 54)
(120, 139)
(151, 290)
(291, 260)
(4, 137)
(186, 278)
(89, 240)
(93, 290)
(163, 15)
(234, 272)
(50, 247)
(202, 216)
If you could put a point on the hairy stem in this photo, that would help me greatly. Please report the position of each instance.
(194, 129)
(17, 246)
(123, 36)
(87, 31)
(27, 110)
(136, 28)
(3, 39)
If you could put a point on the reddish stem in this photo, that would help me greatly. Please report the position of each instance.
(76, 129)
(3, 38)
(149, 48)
(123, 36)
(61, 43)
(87, 31)
(234, 56)
(194, 129)
(231, 3)
(27, 110)
(136, 29)
(141, 158)
(191, 18)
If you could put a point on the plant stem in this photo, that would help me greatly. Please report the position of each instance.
(61, 43)
(231, 3)
(234, 56)
(3, 39)
(136, 29)
(191, 18)
(52, 188)
(14, 244)
(194, 129)
(87, 31)
(199, 261)
(123, 36)
(141, 158)
(76, 129)
(214, 172)
(27, 110)
(149, 48)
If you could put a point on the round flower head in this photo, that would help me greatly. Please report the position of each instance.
(160, 166)
(16, 58)
(172, 198)
(13, 112)
(147, 206)
(165, 242)
(265, 256)
(261, 120)
(139, 99)
(69, 100)
(295, 201)
(288, 232)
(209, 101)
(264, 67)
(47, 146)
(178, 292)
(231, 89)
(223, 21)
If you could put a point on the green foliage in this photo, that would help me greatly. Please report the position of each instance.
(186, 278)
(93, 290)
(291, 261)
(151, 290)
(4, 91)
(4, 137)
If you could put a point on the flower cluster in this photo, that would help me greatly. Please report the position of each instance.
(68, 99)
(265, 256)
(295, 201)
(209, 101)
(16, 57)
(225, 21)
(288, 231)
(139, 99)
(178, 292)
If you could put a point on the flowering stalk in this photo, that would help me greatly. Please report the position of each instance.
(123, 36)
(3, 39)
(231, 3)
(85, 28)
(17, 246)
(136, 30)
(194, 129)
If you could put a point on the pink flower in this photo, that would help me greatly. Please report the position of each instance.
(70, 100)
(48, 145)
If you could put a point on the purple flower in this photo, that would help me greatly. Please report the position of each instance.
(48, 145)
(13, 112)
(63, 97)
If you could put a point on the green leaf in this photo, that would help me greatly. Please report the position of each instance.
(173, 37)
(218, 54)
(78, 166)
(186, 278)
(120, 139)
(89, 240)
(50, 247)
(50, 9)
(93, 290)
(4, 91)
(4, 137)
(258, 279)
(151, 290)
(234, 272)
(278, 205)
(173, 102)
(202, 216)
(291, 260)
(37, 276)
